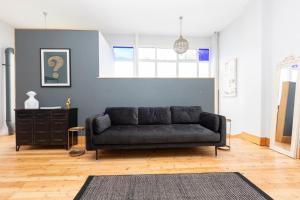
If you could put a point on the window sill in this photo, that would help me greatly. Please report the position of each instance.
(153, 78)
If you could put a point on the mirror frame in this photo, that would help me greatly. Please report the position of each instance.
(286, 63)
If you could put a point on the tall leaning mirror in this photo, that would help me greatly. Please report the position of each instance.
(286, 112)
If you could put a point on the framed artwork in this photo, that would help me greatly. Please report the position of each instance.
(229, 79)
(55, 67)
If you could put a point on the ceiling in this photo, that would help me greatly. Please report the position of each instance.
(155, 17)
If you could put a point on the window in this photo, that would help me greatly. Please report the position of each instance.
(203, 54)
(147, 62)
(187, 70)
(166, 63)
(146, 69)
(203, 67)
(188, 64)
(154, 62)
(166, 54)
(123, 61)
(166, 69)
(147, 53)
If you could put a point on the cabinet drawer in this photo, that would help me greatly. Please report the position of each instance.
(24, 114)
(24, 122)
(42, 139)
(24, 141)
(24, 131)
(24, 125)
(59, 125)
(42, 115)
(59, 130)
(42, 123)
(58, 137)
(42, 126)
(59, 114)
(42, 133)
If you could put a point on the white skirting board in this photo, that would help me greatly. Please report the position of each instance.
(3, 129)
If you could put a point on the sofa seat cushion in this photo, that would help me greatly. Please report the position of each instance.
(156, 134)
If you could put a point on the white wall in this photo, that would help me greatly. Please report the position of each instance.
(260, 38)
(105, 57)
(156, 40)
(6, 40)
(280, 39)
(242, 40)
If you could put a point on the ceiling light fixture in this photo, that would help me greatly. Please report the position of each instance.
(181, 45)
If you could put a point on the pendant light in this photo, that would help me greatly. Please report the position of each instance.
(181, 45)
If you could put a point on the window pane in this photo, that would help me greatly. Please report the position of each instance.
(146, 69)
(123, 53)
(203, 54)
(166, 54)
(189, 55)
(203, 69)
(166, 69)
(123, 69)
(188, 69)
(147, 53)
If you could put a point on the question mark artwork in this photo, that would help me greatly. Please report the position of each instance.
(55, 64)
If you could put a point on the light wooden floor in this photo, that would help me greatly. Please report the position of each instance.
(34, 173)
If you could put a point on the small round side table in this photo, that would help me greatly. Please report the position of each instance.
(76, 151)
(227, 146)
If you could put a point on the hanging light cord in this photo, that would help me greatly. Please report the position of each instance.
(180, 19)
(45, 19)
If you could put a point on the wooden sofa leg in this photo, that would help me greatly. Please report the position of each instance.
(97, 154)
(216, 151)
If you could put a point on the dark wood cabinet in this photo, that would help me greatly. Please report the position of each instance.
(44, 126)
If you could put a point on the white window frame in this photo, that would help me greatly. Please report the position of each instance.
(136, 61)
(177, 61)
(147, 60)
(133, 60)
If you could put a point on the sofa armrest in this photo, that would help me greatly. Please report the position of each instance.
(215, 123)
(222, 130)
(89, 132)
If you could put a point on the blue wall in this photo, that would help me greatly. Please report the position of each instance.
(90, 94)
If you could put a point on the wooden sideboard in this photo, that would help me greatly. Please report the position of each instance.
(44, 126)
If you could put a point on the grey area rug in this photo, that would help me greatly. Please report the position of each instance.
(211, 186)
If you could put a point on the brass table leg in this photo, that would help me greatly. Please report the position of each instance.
(77, 151)
(69, 140)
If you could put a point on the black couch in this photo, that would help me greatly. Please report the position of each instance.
(154, 127)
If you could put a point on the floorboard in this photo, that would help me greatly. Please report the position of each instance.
(43, 173)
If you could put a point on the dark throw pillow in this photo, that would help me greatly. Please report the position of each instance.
(210, 121)
(185, 114)
(101, 123)
(123, 115)
(154, 115)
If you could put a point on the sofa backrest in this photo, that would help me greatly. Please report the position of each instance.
(185, 114)
(122, 115)
(154, 115)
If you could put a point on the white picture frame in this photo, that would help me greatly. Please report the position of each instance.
(229, 78)
(55, 67)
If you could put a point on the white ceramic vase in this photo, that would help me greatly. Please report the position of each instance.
(31, 102)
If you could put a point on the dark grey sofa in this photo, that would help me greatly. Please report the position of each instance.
(154, 127)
